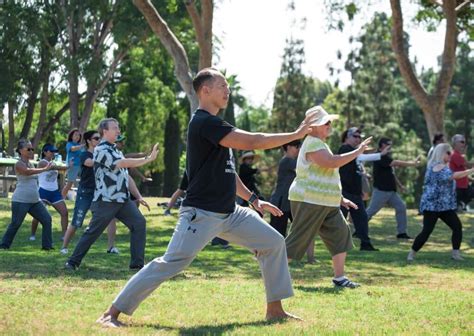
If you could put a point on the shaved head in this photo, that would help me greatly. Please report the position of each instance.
(207, 77)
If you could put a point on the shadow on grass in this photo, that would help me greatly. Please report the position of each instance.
(321, 290)
(25, 260)
(208, 329)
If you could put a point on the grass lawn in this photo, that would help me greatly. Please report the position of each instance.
(222, 292)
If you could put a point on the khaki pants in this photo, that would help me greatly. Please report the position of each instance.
(194, 230)
(311, 219)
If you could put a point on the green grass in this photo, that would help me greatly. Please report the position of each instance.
(222, 291)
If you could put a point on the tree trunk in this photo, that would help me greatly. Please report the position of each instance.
(94, 90)
(74, 96)
(172, 46)
(171, 156)
(30, 109)
(57, 116)
(432, 105)
(11, 126)
(203, 28)
(43, 110)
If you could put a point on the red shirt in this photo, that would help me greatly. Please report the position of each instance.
(458, 163)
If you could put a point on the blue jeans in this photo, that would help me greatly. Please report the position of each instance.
(38, 211)
(83, 204)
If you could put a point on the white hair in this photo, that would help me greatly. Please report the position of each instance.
(438, 152)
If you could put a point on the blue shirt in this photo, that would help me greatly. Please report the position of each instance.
(74, 156)
(439, 191)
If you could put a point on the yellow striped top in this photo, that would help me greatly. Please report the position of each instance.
(315, 184)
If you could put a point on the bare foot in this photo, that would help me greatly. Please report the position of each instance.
(283, 315)
(108, 321)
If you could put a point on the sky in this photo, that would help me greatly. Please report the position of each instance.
(252, 36)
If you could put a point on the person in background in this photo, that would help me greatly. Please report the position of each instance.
(385, 188)
(26, 198)
(247, 174)
(49, 189)
(437, 139)
(351, 180)
(133, 172)
(112, 197)
(279, 197)
(85, 194)
(458, 163)
(439, 201)
(316, 197)
(73, 152)
(180, 192)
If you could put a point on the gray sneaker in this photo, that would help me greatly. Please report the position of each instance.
(345, 283)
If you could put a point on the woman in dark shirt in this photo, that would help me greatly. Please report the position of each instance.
(85, 190)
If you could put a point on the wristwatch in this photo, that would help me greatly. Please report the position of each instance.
(252, 198)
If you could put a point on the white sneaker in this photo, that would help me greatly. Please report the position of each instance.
(411, 255)
(63, 251)
(113, 250)
(32, 238)
(456, 255)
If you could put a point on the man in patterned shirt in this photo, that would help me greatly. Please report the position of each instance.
(112, 197)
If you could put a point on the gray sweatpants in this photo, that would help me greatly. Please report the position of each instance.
(194, 230)
(391, 198)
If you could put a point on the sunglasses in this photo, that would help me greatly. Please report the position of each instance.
(462, 141)
(356, 136)
(30, 149)
(95, 138)
(448, 152)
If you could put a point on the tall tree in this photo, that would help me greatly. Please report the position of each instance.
(294, 91)
(202, 21)
(93, 31)
(458, 17)
(377, 89)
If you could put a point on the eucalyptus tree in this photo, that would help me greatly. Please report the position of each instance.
(457, 15)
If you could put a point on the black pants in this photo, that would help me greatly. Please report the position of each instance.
(429, 221)
(464, 195)
(359, 217)
(281, 223)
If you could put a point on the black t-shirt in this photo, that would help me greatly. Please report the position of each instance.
(210, 167)
(286, 175)
(184, 182)
(87, 173)
(384, 178)
(247, 175)
(351, 173)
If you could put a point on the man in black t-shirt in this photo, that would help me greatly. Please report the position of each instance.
(351, 181)
(385, 188)
(209, 208)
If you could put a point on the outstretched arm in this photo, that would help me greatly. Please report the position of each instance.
(325, 159)
(400, 163)
(132, 163)
(464, 173)
(244, 140)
